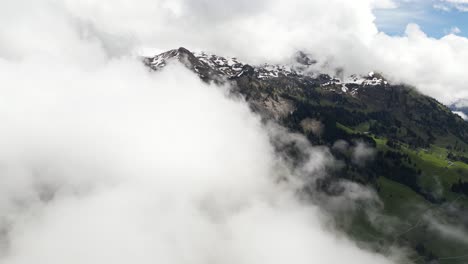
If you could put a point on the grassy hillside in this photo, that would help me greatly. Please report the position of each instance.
(421, 157)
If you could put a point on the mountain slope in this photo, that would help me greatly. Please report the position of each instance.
(421, 146)
(282, 91)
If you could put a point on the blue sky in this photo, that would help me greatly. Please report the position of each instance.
(435, 17)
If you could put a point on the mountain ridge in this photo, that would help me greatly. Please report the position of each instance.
(421, 146)
(277, 85)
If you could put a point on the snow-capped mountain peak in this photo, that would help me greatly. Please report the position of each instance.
(218, 68)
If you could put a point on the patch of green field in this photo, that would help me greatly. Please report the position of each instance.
(363, 127)
(410, 209)
(345, 128)
(398, 198)
(381, 143)
(437, 171)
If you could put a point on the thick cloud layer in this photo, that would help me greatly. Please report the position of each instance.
(118, 164)
(103, 161)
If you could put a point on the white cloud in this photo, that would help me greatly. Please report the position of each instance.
(346, 38)
(461, 103)
(448, 5)
(362, 153)
(107, 162)
(454, 232)
(338, 32)
(385, 4)
(455, 30)
(440, 6)
(118, 164)
(456, 1)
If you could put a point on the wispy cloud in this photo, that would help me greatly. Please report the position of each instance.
(454, 30)
(405, 12)
(449, 5)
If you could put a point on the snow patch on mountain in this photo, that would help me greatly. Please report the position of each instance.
(209, 65)
(232, 67)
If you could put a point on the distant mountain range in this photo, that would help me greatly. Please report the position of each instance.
(421, 146)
